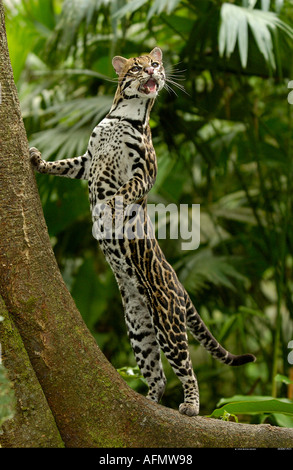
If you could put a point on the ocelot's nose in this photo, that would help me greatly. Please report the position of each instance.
(149, 70)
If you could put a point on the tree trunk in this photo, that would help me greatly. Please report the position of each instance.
(33, 424)
(63, 383)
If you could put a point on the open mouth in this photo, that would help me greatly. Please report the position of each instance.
(149, 87)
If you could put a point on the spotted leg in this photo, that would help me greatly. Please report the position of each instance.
(71, 167)
(142, 337)
(178, 356)
(147, 353)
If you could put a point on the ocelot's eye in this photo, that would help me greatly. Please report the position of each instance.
(135, 68)
(155, 64)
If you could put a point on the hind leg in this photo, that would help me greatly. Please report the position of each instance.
(190, 406)
(174, 344)
(144, 343)
(147, 352)
(182, 366)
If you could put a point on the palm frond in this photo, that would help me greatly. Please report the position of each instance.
(235, 23)
(71, 124)
(129, 8)
(29, 28)
(204, 268)
(76, 112)
(157, 7)
(60, 142)
(234, 206)
(78, 16)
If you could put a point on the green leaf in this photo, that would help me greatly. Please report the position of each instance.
(159, 6)
(282, 420)
(283, 379)
(203, 267)
(250, 311)
(262, 35)
(262, 23)
(130, 373)
(253, 405)
(129, 8)
(28, 29)
(243, 40)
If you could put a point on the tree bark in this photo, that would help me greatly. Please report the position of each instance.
(54, 362)
(33, 424)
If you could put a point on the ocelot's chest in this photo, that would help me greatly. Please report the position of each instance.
(119, 152)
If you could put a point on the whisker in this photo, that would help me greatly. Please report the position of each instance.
(175, 70)
(111, 80)
(178, 75)
(172, 66)
(169, 89)
(173, 76)
(177, 85)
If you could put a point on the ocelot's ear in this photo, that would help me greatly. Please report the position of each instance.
(157, 54)
(118, 63)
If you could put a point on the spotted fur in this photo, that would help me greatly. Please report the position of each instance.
(120, 161)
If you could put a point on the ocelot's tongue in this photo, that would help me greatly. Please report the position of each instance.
(150, 86)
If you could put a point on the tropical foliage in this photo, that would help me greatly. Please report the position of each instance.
(224, 143)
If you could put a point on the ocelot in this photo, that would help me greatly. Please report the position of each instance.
(120, 165)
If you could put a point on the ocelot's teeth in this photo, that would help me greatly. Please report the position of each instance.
(149, 87)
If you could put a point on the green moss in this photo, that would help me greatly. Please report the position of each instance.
(29, 305)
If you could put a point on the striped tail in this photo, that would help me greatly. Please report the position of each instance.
(201, 333)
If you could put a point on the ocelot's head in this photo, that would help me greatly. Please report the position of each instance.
(142, 76)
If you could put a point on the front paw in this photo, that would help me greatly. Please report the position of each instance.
(189, 409)
(35, 158)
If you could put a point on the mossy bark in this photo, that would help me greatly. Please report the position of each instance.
(33, 423)
(91, 404)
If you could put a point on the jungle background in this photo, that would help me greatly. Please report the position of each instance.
(224, 142)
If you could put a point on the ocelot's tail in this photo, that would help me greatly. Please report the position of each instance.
(199, 330)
